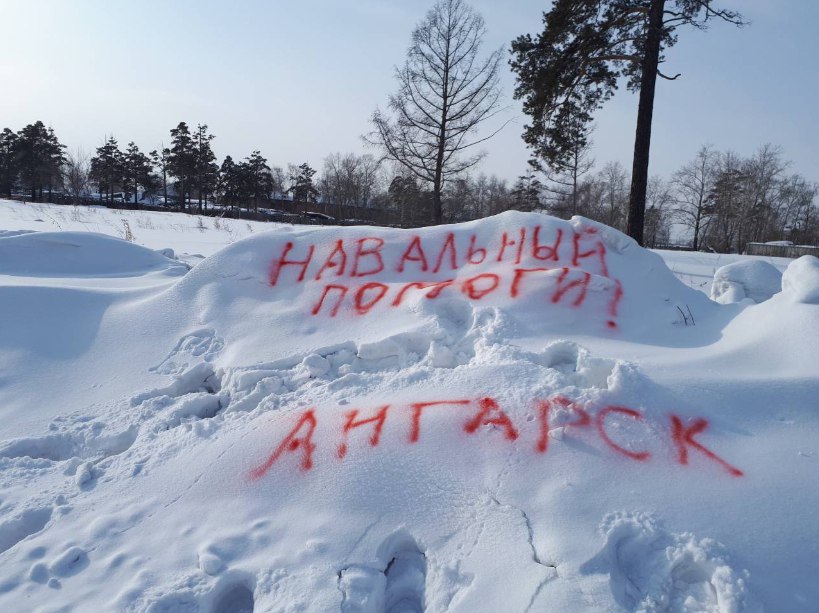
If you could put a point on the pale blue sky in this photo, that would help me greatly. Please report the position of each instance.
(300, 79)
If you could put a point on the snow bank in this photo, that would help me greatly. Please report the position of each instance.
(801, 280)
(319, 287)
(369, 419)
(76, 255)
(754, 279)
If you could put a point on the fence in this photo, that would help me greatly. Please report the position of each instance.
(780, 251)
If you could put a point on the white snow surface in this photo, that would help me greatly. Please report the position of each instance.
(514, 414)
(756, 280)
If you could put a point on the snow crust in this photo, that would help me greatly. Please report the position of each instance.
(599, 436)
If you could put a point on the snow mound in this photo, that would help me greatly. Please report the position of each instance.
(77, 255)
(318, 287)
(801, 280)
(754, 279)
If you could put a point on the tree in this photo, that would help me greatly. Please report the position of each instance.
(8, 161)
(565, 172)
(613, 179)
(407, 196)
(137, 169)
(726, 203)
(231, 182)
(349, 179)
(207, 171)
(693, 183)
(657, 225)
(526, 192)
(55, 158)
(279, 182)
(76, 172)
(258, 180)
(301, 183)
(107, 167)
(39, 157)
(574, 64)
(446, 91)
(159, 159)
(182, 160)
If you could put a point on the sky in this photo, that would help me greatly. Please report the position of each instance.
(299, 79)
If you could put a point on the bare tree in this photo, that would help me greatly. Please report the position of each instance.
(348, 179)
(659, 199)
(76, 169)
(445, 92)
(614, 179)
(693, 183)
(280, 179)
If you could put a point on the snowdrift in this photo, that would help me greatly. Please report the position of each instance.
(362, 419)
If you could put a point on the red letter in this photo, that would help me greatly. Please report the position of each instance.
(618, 294)
(470, 290)
(292, 443)
(683, 437)
(600, 421)
(277, 265)
(374, 251)
(545, 406)
(489, 406)
(438, 287)
(561, 289)
(453, 257)
(598, 248)
(418, 408)
(472, 251)
(329, 263)
(519, 272)
(379, 419)
(415, 245)
(505, 242)
(327, 289)
(363, 307)
(544, 252)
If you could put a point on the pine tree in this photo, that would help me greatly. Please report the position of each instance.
(301, 184)
(39, 156)
(107, 168)
(137, 171)
(207, 171)
(258, 180)
(230, 182)
(526, 192)
(54, 161)
(574, 65)
(182, 160)
(8, 161)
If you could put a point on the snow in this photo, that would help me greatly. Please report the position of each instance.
(557, 423)
(801, 280)
(756, 280)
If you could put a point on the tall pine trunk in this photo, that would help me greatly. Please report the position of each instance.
(645, 112)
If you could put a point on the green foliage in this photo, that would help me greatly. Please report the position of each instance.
(586, 48)
(301, 186)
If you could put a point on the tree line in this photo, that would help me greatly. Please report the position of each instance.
(719, 200)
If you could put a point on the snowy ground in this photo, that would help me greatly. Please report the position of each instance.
(515, 414)
(193, 236)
